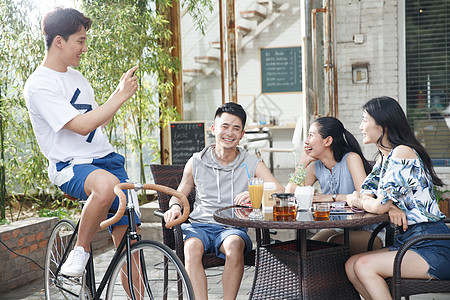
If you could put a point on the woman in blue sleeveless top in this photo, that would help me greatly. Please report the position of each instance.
(333, 157)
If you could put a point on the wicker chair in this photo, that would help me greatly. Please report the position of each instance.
(405, 287)
(170, 175)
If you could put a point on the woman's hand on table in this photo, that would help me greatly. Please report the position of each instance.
(397, 217)
(367, 202)
(353, 199)
(243, 199)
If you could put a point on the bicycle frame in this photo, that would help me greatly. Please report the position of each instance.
(125, 243)
(130, 234)
(124, 249)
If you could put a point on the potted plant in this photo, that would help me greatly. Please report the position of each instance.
(442, 198)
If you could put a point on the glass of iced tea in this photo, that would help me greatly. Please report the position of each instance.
(322, 211)
(255, 189)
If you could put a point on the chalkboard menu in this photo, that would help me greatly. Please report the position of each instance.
(281, 70)
(186, 138)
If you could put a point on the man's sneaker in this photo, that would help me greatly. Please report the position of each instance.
(75, 262)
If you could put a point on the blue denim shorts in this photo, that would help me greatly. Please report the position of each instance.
(435, 252)
(113, 163)
(213, 235)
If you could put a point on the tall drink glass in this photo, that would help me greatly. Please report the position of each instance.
(255, 189)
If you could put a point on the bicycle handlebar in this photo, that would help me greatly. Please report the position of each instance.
(148, 186)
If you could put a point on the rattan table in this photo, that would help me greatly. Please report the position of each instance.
(299, 269)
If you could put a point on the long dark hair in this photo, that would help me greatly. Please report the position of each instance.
(343, 140)
(388, 114)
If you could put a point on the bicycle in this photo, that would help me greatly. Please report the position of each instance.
(156, 271)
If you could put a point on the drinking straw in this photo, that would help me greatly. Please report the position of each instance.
(245, 164)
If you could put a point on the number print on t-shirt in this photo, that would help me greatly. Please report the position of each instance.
(87, 107)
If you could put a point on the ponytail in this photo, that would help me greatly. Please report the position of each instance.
(343, 141)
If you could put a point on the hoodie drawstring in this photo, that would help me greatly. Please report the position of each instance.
(232, 187)
(219, 199)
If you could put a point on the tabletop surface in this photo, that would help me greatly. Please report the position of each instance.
(238, 216)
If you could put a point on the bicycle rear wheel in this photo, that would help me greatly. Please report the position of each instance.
(58, 286)
(157, 273)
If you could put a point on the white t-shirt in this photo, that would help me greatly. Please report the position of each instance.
(53, 99)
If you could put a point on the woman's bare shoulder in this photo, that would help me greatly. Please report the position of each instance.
(403, 151)
(353, 155)
(353, 158)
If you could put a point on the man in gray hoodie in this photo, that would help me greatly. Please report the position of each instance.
(219, 175)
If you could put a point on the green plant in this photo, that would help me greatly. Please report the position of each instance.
(439, 193)
(299, 176)
(60, 212)
(442, 200)
(124, 34)
(18, 203)
(24, 168)
(197, 9)
(128, 33)
(64, 202)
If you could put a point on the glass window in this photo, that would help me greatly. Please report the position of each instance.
(260, 25)
(427, 74)
(202, 92)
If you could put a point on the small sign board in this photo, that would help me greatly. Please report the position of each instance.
(186, 138)
(281, 70)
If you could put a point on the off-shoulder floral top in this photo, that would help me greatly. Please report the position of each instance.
(408, 185)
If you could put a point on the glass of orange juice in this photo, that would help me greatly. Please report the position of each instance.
(255, 189)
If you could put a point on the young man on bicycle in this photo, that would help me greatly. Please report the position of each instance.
(68, 122)
(219, 175)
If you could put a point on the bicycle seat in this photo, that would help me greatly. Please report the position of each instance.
(72, 198)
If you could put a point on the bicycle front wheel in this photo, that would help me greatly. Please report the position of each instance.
(156, 273)
(56, 285)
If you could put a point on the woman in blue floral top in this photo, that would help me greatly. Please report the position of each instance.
(401, 183)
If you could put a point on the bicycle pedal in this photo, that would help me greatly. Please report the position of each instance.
(70, 277)
(76, 279)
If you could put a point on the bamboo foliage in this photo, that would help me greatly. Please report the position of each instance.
(128, 35)
(21, 50)
(124, 34)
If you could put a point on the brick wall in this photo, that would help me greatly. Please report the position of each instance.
(380, 49)
(378, 24)
(29, 238)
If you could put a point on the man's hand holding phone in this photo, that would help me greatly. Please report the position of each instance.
(128, 84)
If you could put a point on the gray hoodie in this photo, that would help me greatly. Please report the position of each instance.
(216, 186)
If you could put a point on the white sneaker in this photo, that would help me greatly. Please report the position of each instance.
(75, 262)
